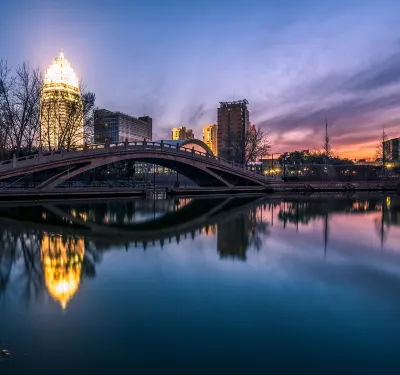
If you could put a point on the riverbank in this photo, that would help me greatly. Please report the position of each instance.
(278, 187)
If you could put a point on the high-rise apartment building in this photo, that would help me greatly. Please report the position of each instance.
(233, 124)
(118, 127)
(181, 133)
(210, 137)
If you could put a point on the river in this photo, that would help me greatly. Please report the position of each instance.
(247, 285)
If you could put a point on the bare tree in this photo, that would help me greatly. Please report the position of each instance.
(89, 106)
(19, 107)
(251, 146)
(381, 152)
(67, 119)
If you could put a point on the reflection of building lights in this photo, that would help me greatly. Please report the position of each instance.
(62, 262)
(83, 216)
(388, 202)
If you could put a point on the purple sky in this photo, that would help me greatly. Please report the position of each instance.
(296, 61)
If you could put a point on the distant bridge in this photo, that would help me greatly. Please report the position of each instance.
(204, 169)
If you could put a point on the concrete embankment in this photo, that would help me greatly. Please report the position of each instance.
(32, 194)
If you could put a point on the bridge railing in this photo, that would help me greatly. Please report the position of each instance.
(49, 155)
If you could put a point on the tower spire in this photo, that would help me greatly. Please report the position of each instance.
(327, 146)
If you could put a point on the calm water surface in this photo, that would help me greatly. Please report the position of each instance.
(201, 286)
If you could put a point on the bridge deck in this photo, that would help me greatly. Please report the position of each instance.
(128, 150)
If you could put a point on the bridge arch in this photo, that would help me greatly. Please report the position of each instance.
(197, 144)
(203, 168)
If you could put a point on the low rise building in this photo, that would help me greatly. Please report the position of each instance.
(117, 127)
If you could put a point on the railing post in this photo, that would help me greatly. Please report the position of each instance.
(192, 152)
(162, 145)
(126, 143)
(144, 144)
(177, 147)
(85, 148)
(14, 161)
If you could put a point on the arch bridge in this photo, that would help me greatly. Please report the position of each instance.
(203, 168)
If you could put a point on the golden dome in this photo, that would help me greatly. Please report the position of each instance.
(61, 72)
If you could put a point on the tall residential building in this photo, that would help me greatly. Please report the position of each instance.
(118, 127)
(233, 124)
(210, 137)
(391, 148)
(61, 108)
(181, 133)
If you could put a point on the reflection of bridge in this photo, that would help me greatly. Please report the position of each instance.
(187, 220)
(203, 168)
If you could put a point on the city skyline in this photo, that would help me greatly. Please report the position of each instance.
(300, 63)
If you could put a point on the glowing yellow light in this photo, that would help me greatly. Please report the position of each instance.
(61, 72)
(61, 107)
(62, 263)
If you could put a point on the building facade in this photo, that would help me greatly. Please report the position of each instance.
(117, 127)
(181, 133)
(210, 137)
(391, 149)
(233, 124)
(61, 108)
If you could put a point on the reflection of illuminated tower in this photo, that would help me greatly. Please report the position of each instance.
(61, 109)
(62, 262)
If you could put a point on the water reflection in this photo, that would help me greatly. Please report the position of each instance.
(62, 264)
(53, 247)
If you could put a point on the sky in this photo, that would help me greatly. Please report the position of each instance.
(297, 62)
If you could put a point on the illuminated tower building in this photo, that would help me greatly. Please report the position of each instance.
(210, 137)
(61, 109)
(62, 263)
